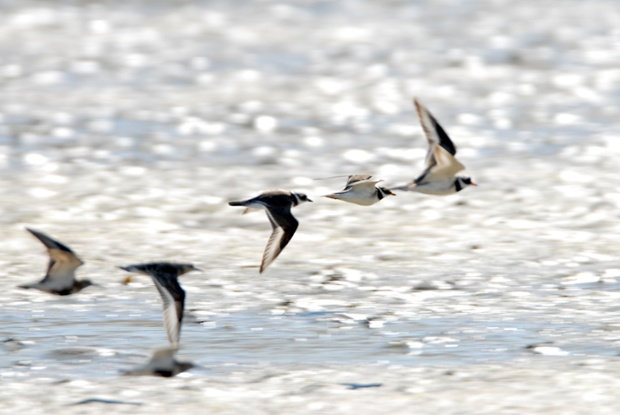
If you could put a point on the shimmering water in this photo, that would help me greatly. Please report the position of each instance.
(125, 129)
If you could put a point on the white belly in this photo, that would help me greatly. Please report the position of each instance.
(359, 198)
(436, 188)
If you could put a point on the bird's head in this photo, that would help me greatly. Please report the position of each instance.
(300, 198)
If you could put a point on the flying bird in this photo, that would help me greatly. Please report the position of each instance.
(361, 190)
(277, 203)
(162, 363)
(439, 176)
(165, 276)
(60, 276)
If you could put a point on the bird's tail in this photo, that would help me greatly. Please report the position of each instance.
(403, 188)
(26, 286)
(247, 208)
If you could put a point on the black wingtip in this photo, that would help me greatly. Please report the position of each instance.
(444, 138)
(33, 231)
(49, 242)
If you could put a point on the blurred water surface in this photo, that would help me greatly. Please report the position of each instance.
(125, 129)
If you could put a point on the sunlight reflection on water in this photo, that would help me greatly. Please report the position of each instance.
(124, 131)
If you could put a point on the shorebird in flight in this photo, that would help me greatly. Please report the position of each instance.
(439, 176)
(277, 203)
(60, 276)
(165, 276)
(361, 190)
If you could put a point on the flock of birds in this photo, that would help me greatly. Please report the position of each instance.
(438, 178)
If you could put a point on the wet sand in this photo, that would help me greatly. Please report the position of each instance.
(125, 129)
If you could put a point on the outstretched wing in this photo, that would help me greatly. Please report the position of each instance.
(165, 277)
(444, 166)
(284, 226)
(440, 161)
(435, 134)
(63, 262)
(173, 298)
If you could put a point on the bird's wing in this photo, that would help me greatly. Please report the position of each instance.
(284, 226)
(440, 161)
(444, 167)
(173, 298)
(356, 178)
(440, 165)
(49, 242)
(434, 133)
(368, 185)
(62, 264)
(61, 269)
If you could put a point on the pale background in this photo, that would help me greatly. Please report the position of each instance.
(126, 127)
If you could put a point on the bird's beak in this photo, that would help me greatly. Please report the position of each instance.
(473, 184)
(310, 200)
